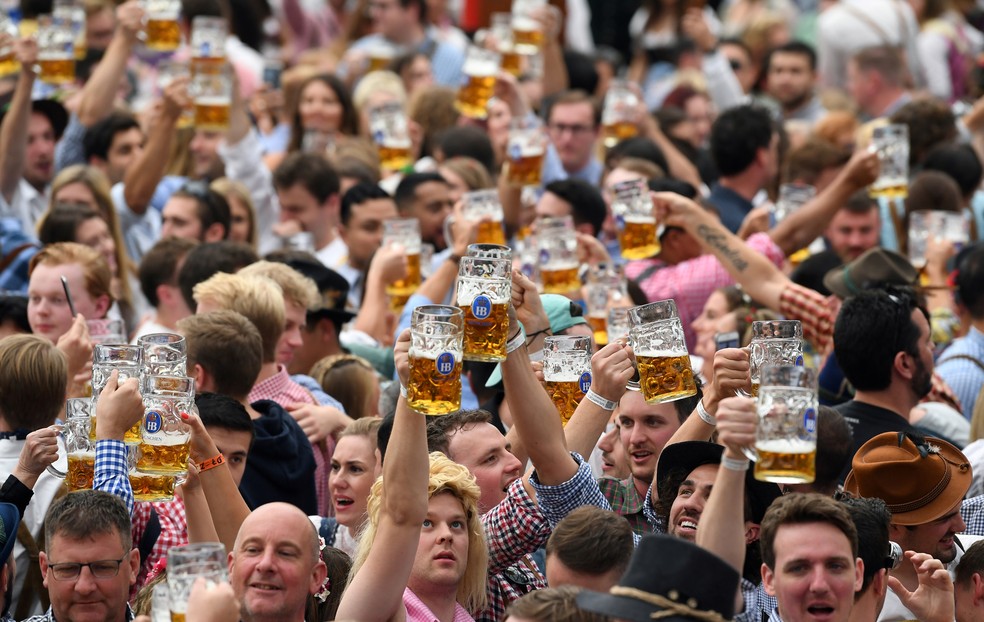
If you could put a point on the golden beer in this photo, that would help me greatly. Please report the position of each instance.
(566, 395)
(491, 232)
(786, 461)
(9, 65)
(599, 325)
(637, 238)
(208, 65)
(755, 389)
(665, 378)
(526, 170)
(132, 436)
(409, 285)
(394, 158)
(527, 37)
(473, 96)
(895, 191)
(177, 617)
(512, 62)
(164, 459)
(163, 34)
(398, 302)
(616, 132)
(81, 471)
(212, 113)
(57, 70)
(151, 487)
(485, 338)
(435, 384)
(560, 281)
(379, 60)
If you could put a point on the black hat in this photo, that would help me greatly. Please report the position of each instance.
(689, 455)
(9, 522)
(332, 287)
(56, 113)
(672, 576)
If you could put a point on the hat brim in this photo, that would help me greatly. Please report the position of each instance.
(834, 281)
(686, 456)
(11, 521)
(333, 314)
(623, 607)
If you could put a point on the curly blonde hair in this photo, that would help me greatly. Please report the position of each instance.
(446, 477)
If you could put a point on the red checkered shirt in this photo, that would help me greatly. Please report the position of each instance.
(174, 532)
(690, 283)
(284, 391)
(813, 310)
(514, 529)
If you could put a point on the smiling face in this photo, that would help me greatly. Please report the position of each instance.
(354, 468)
(815, 574)
(935, 538)
(483, 450)
(442, 551)
(320, 108)
(690, 500)
(275, 565)
(644, 429)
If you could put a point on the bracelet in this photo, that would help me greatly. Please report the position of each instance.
(532, 336)
(705, 416)
(733, 464)
(211, 463)
(517, 341)
(403, 392)
(604, 404)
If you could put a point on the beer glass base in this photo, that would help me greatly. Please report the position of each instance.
(472, 112)
(663, 398)
(433, 408)
(782, 477)
(484, 358)
(642, 252)
(889, 192)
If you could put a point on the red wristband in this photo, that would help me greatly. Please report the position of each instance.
(211, 463)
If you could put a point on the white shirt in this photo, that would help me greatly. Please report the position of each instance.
(334, 255)
(27, 205)
(149, 328)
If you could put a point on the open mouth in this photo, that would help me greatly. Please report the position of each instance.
(264, 587)
(343, 502)
(641, 456)
(820, 611)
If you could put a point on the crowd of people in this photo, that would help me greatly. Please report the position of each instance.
(260, 238)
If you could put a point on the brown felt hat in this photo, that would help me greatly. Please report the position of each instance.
(874, 268)
(919, 479)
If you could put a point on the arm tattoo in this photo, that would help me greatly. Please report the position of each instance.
(719, 241)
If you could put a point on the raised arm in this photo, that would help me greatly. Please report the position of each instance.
(119, 407)
(13, 132)
(807, 223)
(142, 178)
(611, 369)
(375, 593)
(99, 93)
(731, 373)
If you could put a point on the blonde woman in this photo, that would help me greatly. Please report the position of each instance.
(352, 381)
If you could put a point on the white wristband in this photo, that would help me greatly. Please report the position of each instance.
(705, 416)
(516, 342)
(403, 392)
(733, 464)
(601, 402)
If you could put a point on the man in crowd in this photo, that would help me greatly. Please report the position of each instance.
(791, 75)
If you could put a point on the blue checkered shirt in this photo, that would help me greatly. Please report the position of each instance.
(112, 474)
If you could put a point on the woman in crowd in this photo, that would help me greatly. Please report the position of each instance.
(352, 381)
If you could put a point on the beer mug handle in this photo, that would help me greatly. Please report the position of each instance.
(56, 472)
(448, 238)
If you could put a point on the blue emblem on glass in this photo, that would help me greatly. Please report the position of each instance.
(481, 307)
(153, 422)
(810, 420)
(584, 382)
(544, 255)
(799, 360)
(445, 363)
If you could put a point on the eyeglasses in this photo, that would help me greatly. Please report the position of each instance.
(576, 130)
(102, 569)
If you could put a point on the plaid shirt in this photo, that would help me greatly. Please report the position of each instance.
(813, 310)
(49, 616)
(112, 471)
(14, 278)
(690, 283)
(284, 391)
(174, 532)
(514, 529)
(625, 500)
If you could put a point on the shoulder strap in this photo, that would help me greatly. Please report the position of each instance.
(965, 357)
(856, 12)
(13, 254)
(152, 532)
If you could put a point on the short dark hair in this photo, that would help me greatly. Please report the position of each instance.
(871, 518)
(971, 563)
(98, 138)
(636, 147)
(970, 281)
(359, 194)
(587, 204)
(959, 162)
(860, 203)
(222, 411)
(13, 308)
(406, 191)
(885, 60)
(835, 448)
(441, 429)
(592, 541)
(582, 74)
(159, 266)
(804, 508)
(794, 47)
(310, 170)
(573, 96)
(468, 141)
(931, 123)
(737, 135)
(808, 161)
(228, 346)
(211, 207)
(85, 514)
(61, 222)
(871, 328)
(210, 258)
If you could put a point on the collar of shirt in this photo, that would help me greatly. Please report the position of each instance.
(281, 389)
(417, 611)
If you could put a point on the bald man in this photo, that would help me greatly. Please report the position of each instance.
(276, 564)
